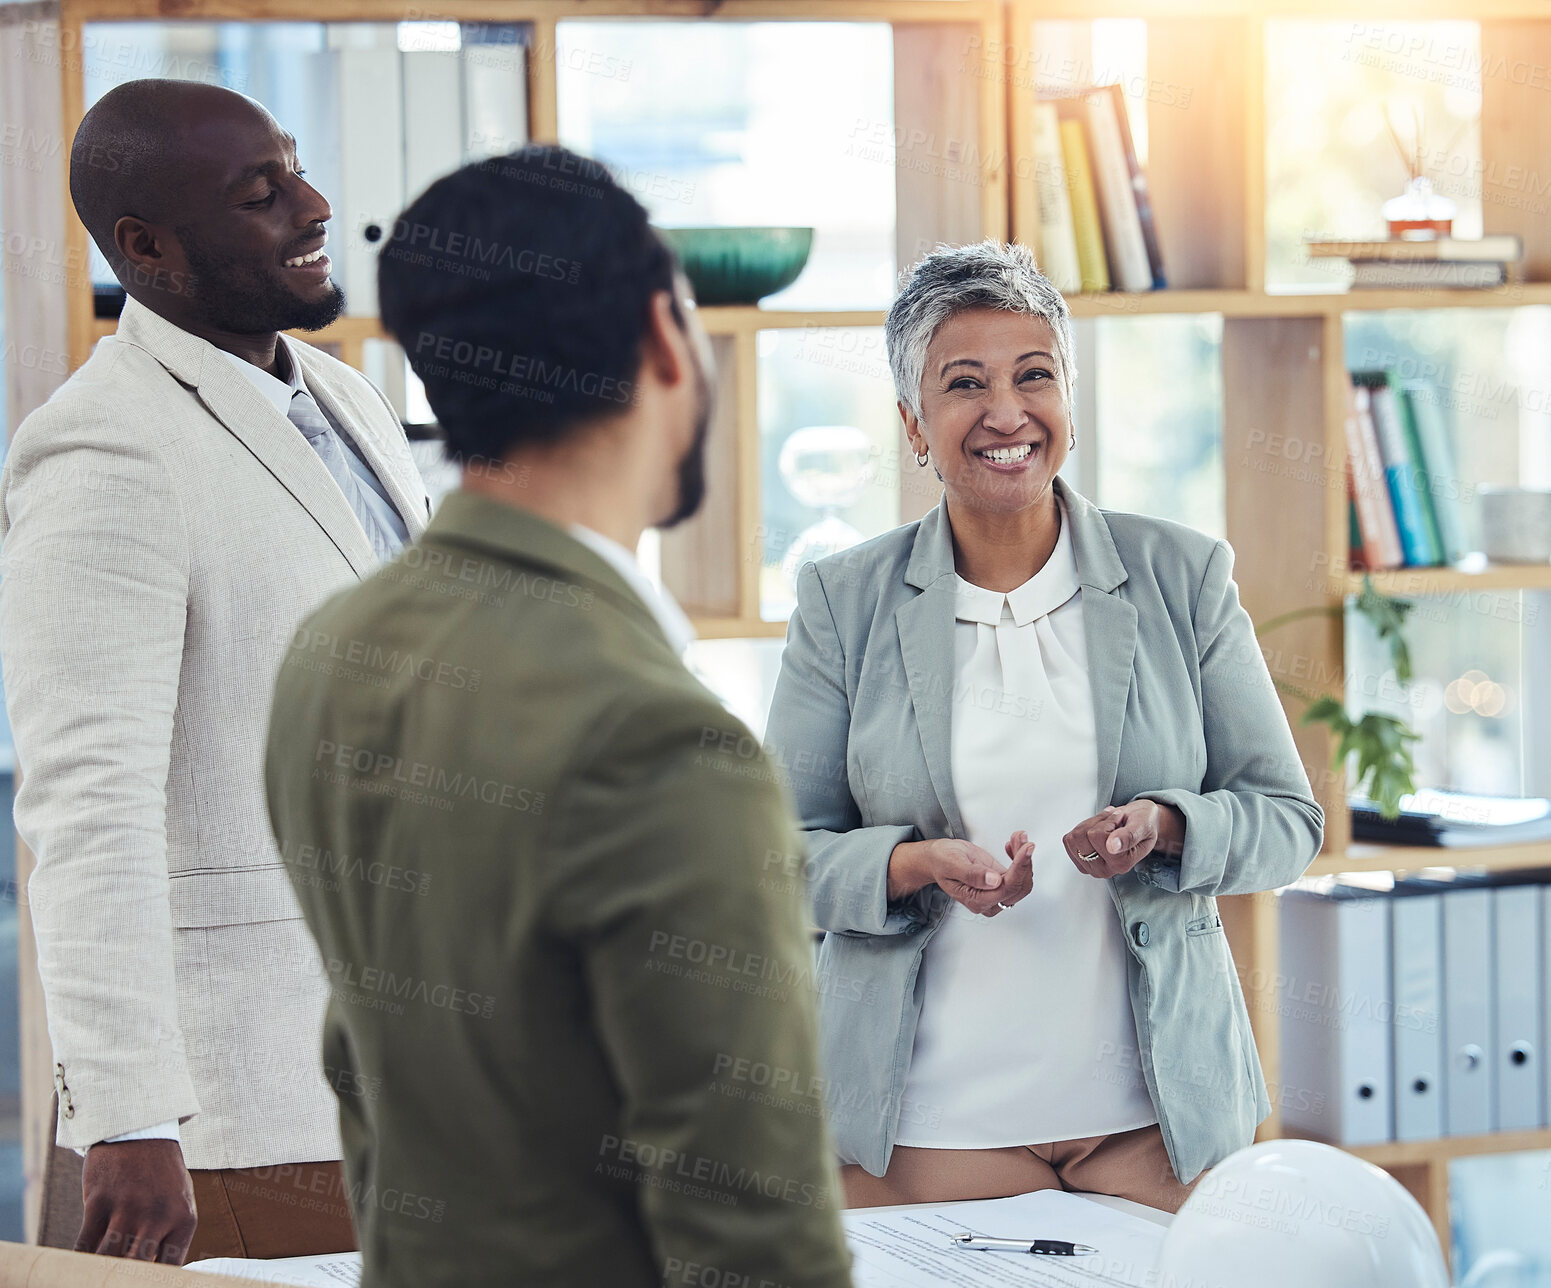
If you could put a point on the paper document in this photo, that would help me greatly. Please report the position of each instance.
(898, 1249)
(910, 1248)
(332, 1271)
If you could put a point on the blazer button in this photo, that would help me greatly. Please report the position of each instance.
(1139, 933)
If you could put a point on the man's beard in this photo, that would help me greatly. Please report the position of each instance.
(691, 473)
(237, 298)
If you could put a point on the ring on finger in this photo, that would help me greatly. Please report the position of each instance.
(1004, 906)
(1088, 858)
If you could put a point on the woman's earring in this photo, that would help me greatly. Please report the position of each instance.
(922, 458)
(1072, 445)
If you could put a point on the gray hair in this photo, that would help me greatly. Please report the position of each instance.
(987, 275)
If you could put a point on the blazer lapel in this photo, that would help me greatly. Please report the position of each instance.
(283, 450)
(253, 421)
(925, 626)
(926, 644)
(343, 404)
(1109, 622)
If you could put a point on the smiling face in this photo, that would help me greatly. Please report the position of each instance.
(249, 228)
(994, 412)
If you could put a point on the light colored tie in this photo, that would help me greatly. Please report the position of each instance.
(308, 417)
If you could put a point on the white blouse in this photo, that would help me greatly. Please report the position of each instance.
(1026, 1033)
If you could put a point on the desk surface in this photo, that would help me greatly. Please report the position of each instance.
(1154, 1215)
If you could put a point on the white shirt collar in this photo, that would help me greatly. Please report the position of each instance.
(662, 606)
(277, 391)
(1042, 593)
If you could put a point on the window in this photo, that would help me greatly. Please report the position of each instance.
(731, 124)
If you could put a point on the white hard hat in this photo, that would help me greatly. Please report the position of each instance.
(1297, 1214)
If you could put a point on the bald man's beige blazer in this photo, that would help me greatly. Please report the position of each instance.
(164, 530)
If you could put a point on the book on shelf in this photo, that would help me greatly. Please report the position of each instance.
(1372, 274)
(1400, 472)
(1093, 121)
(1446, 263)
(1139, 190)
(1503, 248)
(1057, 235)
(1401, 402)
(1440, 475)
(1356, 556)
(1380, 539)
(1085, 207)
(1454, 820)
(1405, 485)
(1128, 267)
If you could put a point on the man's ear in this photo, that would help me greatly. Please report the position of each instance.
(138, 242)
(664, 346)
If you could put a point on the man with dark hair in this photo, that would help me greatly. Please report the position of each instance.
(169, 516)
(576, 960)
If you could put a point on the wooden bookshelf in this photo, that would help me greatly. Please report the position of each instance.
(1467, 579)
(1362, 857)
(1284, 374)
(1282, 353)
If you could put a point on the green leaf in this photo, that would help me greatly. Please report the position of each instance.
(1385, 768)
(1324, 711)
(1387, 616)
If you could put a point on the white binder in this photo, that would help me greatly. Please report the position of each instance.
(1518, 953)
(371, 133)
(495, 89)
(1416, 920)
(433, 118)
(1469, 1045)
(1545, 999)
(1336, 1007)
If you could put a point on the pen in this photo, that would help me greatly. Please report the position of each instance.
(1039, 1247)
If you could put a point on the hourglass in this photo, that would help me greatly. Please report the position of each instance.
(826, 467)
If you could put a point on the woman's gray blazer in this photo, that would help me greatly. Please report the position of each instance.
(1185, 714)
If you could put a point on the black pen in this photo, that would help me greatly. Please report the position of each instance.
(1038, 1247)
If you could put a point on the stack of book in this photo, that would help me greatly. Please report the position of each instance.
(1096, 228)
(1406, 498)
(1443, 262)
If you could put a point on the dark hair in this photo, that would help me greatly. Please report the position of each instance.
(519, 287)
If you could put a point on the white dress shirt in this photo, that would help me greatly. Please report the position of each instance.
(1026, 1033)
(659, 602)
(373, 507)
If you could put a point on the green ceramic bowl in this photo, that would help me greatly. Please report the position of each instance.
(739, 265)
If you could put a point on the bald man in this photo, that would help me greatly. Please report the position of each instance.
(169, 517)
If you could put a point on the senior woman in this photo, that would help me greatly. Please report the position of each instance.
(1023, 674)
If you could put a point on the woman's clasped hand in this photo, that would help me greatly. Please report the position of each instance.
(1115, 840)
(966, 873)
(1107, 845)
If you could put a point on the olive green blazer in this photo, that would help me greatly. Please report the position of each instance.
(558, 894)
